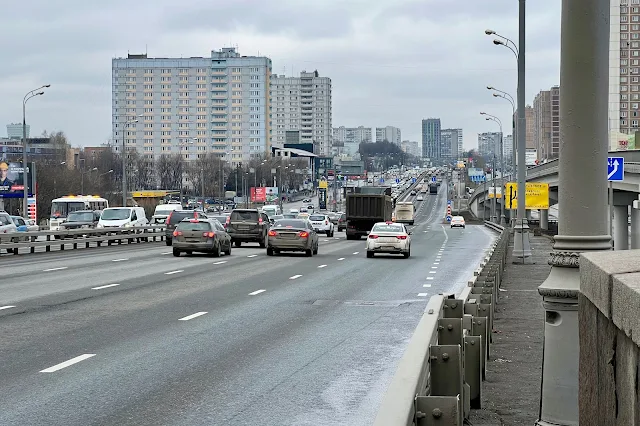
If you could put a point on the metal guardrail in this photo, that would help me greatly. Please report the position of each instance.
(14, 241)
(439, 378)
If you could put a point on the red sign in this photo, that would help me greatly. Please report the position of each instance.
(259, 194)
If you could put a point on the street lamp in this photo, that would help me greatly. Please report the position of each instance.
(124, 159)
(521, 243)
(509, 98)
(25, 182)
(82, 173)
(502, 206)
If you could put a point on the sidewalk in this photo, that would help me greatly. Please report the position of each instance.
(511, 392)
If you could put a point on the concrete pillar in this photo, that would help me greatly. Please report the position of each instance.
(635, 225)
(582, 195)
(544, 219)
(528, 214)
(621, 227)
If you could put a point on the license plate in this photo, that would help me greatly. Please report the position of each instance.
(243, 228)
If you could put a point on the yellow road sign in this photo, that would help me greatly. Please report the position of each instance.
(536, 198)
(323, 184)
(498, 192)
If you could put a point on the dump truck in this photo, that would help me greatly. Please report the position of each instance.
(365, 207)
(433, 188)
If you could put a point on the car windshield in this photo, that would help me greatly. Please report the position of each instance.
(80, 217)
(177, 216)
(244, 215)
(289, 216)
(193, 226)
(290, 223)
(221, 219)
(116, 214)
(316, 217)
(165, 211)
(388, 228)
(63, 208)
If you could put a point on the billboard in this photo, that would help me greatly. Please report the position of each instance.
(536, 197)
(259, 194)
(322, 198)
(531, 157)
(271, 193)
(12, 180)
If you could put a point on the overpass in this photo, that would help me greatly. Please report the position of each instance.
(625, 195)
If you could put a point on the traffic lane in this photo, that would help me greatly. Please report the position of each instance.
(185, 368)
(65, 279)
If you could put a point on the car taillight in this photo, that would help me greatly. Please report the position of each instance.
(177, 233)
(260, 221)
(272, 233)
(228, 220)
(372, 236)
(401, 237)
(303, 234)
(326, 222)
(208, 234)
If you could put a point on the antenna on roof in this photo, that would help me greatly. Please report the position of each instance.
(146, 51)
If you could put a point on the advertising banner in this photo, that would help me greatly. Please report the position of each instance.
(498, 192)
(322, 198)
(12, 180)
(259, 194)
(32, 208)
(531, 157)
(536, 198)
(271, 193)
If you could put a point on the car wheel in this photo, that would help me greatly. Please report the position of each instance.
(168, 242)
(238, 243)
(216, 251)
(263, 242)
(407, 254)
(328, 233)
(369, 254)
(308, 252)
(176, 252)
(315, 250)
(270, 251)
(228, 250)
(189, 252)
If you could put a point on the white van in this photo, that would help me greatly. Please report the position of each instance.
(271, 210)
(163, 211)
(127, 217)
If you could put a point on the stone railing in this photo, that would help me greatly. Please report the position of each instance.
(609, 330)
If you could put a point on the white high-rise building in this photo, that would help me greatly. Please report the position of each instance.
(507, 144)
(412, 148)
(389, 133)
(193, 106)
(303, 103)
(15, 130)
(347, 140)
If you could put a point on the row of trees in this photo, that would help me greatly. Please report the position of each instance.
(207, 176)
(382, 155)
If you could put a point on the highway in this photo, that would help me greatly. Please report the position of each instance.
(130, 335)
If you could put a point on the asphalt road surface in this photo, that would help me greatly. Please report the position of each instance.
(131, 335)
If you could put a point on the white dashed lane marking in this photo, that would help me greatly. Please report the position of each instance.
(253, 293)
(192, 316)
(104, 286)
(6, 307)
(67, 363)
(295, 277)
(174, 272)
(60, 268)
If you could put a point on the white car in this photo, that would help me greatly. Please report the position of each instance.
(458, 222)
(389, 237)
(321, 224)
(419, 198)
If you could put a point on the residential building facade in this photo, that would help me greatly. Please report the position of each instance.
(450, 143)
(507, 144)
(304, 104)
(546, 120)
(389, 133)
(431, 145)
(529, 116)
(489, 144)
(350, 138)
(411, 148)
(14, 130)
(193, 106)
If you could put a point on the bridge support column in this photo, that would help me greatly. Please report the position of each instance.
(635, 225)
(582, 195)
(544, 219)
(621, 227)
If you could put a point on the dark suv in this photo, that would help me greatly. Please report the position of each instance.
(175, 218)
(248, 225)
(342, 222)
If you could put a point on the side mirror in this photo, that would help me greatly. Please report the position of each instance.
(410, 232)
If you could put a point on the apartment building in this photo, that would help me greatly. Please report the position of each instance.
(389, 133)
(303, 104)
(450, 143)
(546, 123)
(431, 145)
(489, 144)
(348, 139)
(15, 130)
(193, 106)
(411, 148)
(529, 116)
(507, 145)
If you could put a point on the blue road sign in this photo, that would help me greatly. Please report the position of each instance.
(448, 218)
(449, 202)
(397, 180)
(381, 180)
(413, 180)
(433, 178)
(615, 168)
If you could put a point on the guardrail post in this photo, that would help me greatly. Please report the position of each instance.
(453, 308)
(479, 328)
(450, 331)
(473, 369)
(438, 410)
(447, 374)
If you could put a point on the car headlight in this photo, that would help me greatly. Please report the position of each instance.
(127, 225)
(100, 225)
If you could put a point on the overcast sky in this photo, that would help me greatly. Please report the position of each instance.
(392, 62)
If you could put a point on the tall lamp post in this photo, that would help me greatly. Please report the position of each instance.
(521, 243)
(509, 98)
(124, 159)
(82, 173)
(31, 94)
(501, 148)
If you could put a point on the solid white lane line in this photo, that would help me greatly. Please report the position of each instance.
(174, 272)
(341, 258)
(67, 363)
(60, 268)
(426, 285)
(119, 260)
(422, 294)
(252, 255)
(7, 307)
(192, 316)
(253, 293)
(322, 266)
(432, 272)
(166, 252)
(295, 277)
(220, 262)
(104, 286)
(356, 252)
